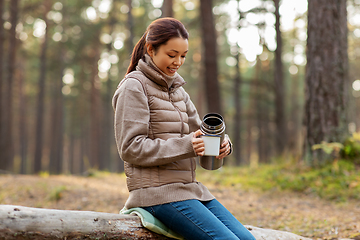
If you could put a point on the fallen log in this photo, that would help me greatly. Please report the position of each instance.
(270, 234)
(20, 223)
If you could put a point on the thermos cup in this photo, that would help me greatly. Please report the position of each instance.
(213, 128)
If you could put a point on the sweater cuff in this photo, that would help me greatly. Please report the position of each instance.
(192, 146)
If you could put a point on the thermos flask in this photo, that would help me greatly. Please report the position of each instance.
(213, 128)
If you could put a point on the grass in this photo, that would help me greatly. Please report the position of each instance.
(337, 181)
(57, 193)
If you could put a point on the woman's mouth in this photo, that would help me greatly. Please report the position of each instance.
(172, 70)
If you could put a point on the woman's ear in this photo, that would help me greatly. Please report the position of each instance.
(150, 50)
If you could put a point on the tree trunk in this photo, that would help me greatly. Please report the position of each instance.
(23, 136)
(281, 131)
(41, 96)
(297, 111)
(296, 115)
(22, 223)
(167, 9)
(106, 163)
(238, 107)
(259, 111)
(326, 75)
(79, 127)
(8, 153)
(130, 26)
(18, 222)
(2, 112)
(95, 108)
(237, 118)
(262, 112)
(212, 88)
(57, 119)
(250, 124)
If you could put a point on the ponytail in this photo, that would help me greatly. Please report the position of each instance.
(138, 53)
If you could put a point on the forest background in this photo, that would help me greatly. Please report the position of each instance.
(61, 61)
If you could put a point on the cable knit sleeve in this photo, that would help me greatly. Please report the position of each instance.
(132, 117)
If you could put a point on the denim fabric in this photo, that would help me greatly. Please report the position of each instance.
(198, 220)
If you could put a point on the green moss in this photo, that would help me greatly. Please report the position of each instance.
(338, 181)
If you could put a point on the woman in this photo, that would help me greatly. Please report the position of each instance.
(157, 129)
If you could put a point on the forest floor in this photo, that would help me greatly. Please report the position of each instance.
(306, 215)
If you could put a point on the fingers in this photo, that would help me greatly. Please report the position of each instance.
(197, 133)
(224, 149)
(198, 143)
(199, 147)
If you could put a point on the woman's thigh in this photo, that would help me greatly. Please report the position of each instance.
(228, 220)
(193, 220)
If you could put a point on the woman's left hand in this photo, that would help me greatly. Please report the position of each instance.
(224, 149)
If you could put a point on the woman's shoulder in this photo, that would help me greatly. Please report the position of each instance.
(129, 85)
(132, 79)
(138, 75)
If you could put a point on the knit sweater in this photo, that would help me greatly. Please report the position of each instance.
(154, 124)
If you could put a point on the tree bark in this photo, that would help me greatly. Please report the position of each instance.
(265, 134)
(8, 149)
(130, 26)
(260, 99)
(263, 108)
(238, 108)
(167, 9)
(79, 125)
(106, 162)
(41, 96)
(281, 130)
(95, 107)
(57, 118)
(23, 129)
(18, 222)
(2, 120)
(237, 117)
(326, 75)
(212, 88)
(22, 223)
(56, 137)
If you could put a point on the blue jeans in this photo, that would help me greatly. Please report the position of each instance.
(198, 220)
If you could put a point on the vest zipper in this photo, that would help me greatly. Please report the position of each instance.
(182, 134)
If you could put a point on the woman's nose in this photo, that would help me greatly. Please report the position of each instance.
(177, 61)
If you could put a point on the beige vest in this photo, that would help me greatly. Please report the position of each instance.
(168, 119)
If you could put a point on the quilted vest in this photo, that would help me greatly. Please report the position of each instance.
(168, 119)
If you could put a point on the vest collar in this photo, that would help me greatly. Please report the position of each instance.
(151, 71)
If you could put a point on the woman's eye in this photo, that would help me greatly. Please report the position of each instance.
(183, 56)
(171, 56)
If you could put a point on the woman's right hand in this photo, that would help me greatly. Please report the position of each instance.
(198, 143)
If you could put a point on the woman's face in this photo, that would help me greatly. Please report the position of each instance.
(170, 56)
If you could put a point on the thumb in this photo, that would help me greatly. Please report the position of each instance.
(197, 133)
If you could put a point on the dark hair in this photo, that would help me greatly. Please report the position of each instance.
(157, 33)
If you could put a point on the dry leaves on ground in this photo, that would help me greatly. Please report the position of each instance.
(301, 214)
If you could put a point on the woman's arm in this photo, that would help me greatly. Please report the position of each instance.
(194, 124)
(132, 117)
